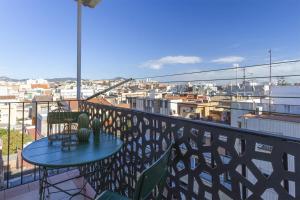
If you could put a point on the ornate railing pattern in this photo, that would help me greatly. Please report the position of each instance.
(211, 161)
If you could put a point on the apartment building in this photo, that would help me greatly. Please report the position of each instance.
(40, 105)
(200, 110)
(160, 106)
(8, 111)
(41, 125)
(240, 108)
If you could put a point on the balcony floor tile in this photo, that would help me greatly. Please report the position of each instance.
(30, 191)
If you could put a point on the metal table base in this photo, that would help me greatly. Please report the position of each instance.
(45, 185)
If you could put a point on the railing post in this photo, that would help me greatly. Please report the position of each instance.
(48, 127)
(23, 107)
(8, 150)
(35, 133)
(212, 159)
(285, 167)
(69, 105)
(244, 174)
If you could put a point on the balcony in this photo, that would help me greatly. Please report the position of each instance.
(211, 161)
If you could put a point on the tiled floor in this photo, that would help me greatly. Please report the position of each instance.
(30, 191)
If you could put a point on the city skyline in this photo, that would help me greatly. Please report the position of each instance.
(204, 93)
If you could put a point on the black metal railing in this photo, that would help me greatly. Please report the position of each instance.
(20, 124)
(212, 161)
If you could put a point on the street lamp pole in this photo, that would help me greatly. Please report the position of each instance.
(90, 4)
(78, 49)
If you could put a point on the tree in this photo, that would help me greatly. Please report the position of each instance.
(15, 141)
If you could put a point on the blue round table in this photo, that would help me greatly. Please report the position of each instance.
(49, 156)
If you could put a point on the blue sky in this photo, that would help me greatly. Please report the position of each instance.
(134, 38)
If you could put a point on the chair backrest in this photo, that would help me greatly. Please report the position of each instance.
(62, 117)
(154, 176)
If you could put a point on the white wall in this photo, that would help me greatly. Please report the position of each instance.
(286, 91)
(3, 91)
(42, 124)
(174, 106)
(275, 127)
(4, 115)
(238, 109)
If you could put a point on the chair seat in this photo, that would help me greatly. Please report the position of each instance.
(108, 195)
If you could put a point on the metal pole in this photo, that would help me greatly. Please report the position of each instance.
(236, 81)
(23, 127)
(270, 80)
(8, 150)
(244, 70)
(78, 49)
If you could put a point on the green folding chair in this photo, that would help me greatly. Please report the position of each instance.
(154, 176)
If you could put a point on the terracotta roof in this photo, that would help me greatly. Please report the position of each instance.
(169, 97)
(44, 86)
(74, 105)
(72, 102)
(123, 105)
(31, 133)
(100, 101)
(7, 97)
(287, 118)
(43, 98)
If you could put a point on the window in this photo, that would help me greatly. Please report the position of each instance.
(240, 124)
(166, 104)
(161, 103)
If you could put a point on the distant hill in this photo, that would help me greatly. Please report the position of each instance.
(5, 78)
(118, 78)
(61, 79)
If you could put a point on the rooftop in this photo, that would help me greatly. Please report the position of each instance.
(102, 101)
(287, 118)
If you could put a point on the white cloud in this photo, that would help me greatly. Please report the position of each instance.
(229, 59)
(171, 60)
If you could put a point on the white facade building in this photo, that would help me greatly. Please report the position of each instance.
(160, 106)
(72, 93)
(286, 91)
(8, 113)
(42, 124)
(3, 91)
(68, 93)
(36, 81)
(241, 108)
(174, 106)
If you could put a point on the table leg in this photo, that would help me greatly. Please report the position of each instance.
(44, 184)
